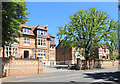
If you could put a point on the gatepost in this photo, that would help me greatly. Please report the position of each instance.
(39, 64)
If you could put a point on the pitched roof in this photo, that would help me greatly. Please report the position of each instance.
(51, 35)
(40, 27)
(27, 26)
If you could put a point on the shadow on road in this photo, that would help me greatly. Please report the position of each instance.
(106, 76)
(60, 67)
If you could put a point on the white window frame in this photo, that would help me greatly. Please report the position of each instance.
(27, 40)
(51, 47)
(40, 41)
(50, 56)
(53, 56)
(26, 30)
(40, 32)
(15, 52)
(41, 53)
(8, 51)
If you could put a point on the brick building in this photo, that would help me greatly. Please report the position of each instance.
(35, 42)
(67, 55)
(102, 52)
(71, 55)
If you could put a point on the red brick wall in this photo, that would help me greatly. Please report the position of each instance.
(62, 54)
(21, 67)
(109, 63)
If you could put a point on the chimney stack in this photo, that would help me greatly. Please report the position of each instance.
(46, 27)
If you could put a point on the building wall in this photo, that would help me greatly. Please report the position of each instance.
(33, 43)
(62, 54)
(21, 67)
(68, 55)
(103, 53)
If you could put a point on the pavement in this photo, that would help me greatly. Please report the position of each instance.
(95, 75)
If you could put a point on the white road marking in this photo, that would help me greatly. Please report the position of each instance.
(100, 80)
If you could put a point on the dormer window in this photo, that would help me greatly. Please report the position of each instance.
(51, 39)
(41, 32)
(52, 47)
(26, 30)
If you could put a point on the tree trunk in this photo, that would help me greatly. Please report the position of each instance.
(86, 57)
(86, 54)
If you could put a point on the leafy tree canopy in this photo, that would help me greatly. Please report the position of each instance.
(13, 14)
(89, 28)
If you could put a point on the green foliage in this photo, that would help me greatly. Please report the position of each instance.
(114, 54)
(13, 14)
(87, 28)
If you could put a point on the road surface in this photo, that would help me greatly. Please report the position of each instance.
(96, 75)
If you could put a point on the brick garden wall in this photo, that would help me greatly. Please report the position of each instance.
(21, 67)
(109, 63)
(83, 64)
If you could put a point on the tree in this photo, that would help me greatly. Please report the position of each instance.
(88, 28)
(13, 14)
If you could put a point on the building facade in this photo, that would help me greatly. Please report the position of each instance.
(65, 56)
(102, 52)
(71, 55)
(35, 42)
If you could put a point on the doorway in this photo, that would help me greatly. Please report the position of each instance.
(26, 54)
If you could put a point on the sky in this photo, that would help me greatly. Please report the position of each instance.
(56, 14)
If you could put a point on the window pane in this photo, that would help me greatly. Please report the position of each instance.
(28, 30)
(53, 55)
(27, 42)
(24, 42)
(27, 39)
(9, 53)
(24, 30)
(45, 33)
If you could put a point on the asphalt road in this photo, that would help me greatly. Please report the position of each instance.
(96, 75)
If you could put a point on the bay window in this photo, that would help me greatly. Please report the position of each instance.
(41, 42)
(41, 53)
